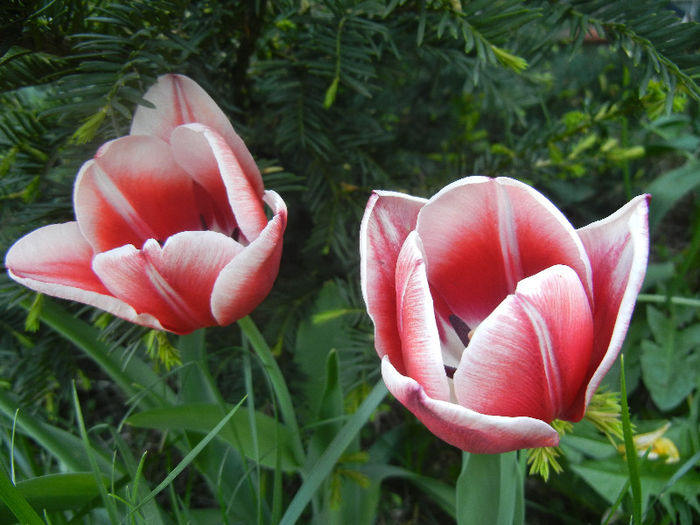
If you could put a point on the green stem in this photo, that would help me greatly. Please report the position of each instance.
(198, 385)
(279, 385)
(630, 450)
(658, 298)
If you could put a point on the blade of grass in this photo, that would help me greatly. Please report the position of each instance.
(16, 502)
(109, 503)
(188, 458)
(250, 395)
(133, 377)
(62, 445)
(630, 450)
(279, 385)
(618, 501)
(323, 467)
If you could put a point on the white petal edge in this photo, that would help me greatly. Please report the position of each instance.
(463, 428)
(639, 228)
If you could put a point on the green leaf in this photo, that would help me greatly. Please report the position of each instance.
(14, 502)
(331, 410)
(670, 364)
(191, 455)
(134, 376)
(490, 486)
(201, 417)
(317, 335)
(441, 493)
(331, 93)
(323, 467)
(669, 188)
(62, 445)
(608, 477)
(56, 492)
(279, 385)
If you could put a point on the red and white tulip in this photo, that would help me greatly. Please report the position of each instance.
(171, 229)
(494, 316)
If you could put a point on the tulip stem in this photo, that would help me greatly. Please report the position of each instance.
(279, 385)
(630, 449)
(659, 298)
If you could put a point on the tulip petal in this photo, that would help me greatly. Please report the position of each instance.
(209, 160)
(464, 428)
(131, 191)
(387, 221)
(530, 356)
(618, 248)
(56, 260)
(173, 283)
(482, 236)
(180, 100)
(422, 355)
(245, 282)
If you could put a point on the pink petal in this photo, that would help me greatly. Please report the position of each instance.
(56, 260)
(618, 248)
(531, 355)
(173, 283)
(464, 428)
(388, 219)
(131, 191)
(247, 280)
(482, 236)
(180, 100)
(210, 161)
(422, 355)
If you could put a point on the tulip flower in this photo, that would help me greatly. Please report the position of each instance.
(493, 316)
(171, 228)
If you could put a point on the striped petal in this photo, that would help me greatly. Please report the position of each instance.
(464, 428)
(247, 279)
(530, 356)
(421, 351)
(210, 161)
(173, 283)
(56, 260)
(618, 248)
(180, 100)
(133, 190)
(387, 221)
(482, 236)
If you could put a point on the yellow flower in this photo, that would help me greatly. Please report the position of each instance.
(657, 445)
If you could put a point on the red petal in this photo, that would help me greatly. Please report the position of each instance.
(618, 248)
(209, 160)
(173, 283)
(131, 191)
(420, 342)
(531, 355)
(56, 260)
(482, 236)
(180, 100)
(247, 279)
(464, 428)
(388, 219)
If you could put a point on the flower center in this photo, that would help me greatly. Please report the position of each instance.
(464, 333)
